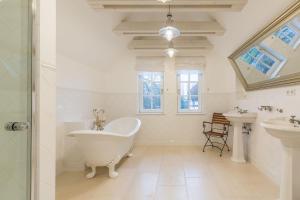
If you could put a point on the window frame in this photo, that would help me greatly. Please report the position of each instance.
(199, 82)
(141, 109)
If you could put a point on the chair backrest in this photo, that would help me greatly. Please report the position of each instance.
(219, 118)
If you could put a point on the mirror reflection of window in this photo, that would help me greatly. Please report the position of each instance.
(289, 34)
(262, 60)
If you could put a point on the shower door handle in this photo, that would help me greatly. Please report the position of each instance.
(17, 126)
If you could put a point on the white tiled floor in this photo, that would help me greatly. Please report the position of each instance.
(171, 173)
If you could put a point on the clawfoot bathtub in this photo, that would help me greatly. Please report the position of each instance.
(107, 147)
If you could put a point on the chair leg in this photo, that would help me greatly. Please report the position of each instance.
(205, 143)
(208, 140)
(225, 141)
(225, 144)
(221, 153)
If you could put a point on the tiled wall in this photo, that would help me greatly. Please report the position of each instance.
(73, 105)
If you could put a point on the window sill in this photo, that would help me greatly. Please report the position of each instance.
(150, 113)
(190, 113)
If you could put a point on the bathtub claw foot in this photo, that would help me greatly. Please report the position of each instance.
(92, 174)
(111, 167)
(113, 174)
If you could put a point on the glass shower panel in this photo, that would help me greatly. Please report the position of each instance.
(15, 99)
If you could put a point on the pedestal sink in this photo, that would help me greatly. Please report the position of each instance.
(289, 135)
(238, 119)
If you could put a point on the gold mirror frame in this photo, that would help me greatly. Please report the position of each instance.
(282, 81)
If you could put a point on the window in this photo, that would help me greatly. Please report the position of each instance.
(150, 91)
(261, 60)
(189, 91)
(288, 35)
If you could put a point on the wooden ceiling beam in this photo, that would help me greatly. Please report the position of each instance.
(187, 28)
(155, 46)
(177, 5)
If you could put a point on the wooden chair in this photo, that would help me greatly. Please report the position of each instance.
(218, 128)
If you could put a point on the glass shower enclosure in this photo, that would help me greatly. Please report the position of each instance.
(15, 99)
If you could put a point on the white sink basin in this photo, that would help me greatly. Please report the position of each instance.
(238, 120)
(234, 116)
(281, 128)
(289, 135)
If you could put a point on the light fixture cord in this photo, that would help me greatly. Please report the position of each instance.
(169, 15)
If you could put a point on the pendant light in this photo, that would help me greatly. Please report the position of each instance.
(164, 1)
(171, 51)
(169, 31)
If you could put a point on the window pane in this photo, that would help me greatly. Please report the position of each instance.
(268, 60)
(156, 102)
(146, 76)
(184, 76)
(184, 102)
(291, 34)
(184, 88)
(254, 52)
(248, 59)
(157, 77)
(194, 103)
(147, 102)
(155, 88)
(146, 88)
(194, 76)
(262, 68)
(194, 88)
(286, 39)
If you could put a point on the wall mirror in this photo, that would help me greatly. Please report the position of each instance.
(271, 58)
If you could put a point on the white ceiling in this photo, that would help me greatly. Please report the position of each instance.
(86, 36)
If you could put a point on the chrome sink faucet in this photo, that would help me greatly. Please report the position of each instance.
(100, 119)
(239, 110)
(294, 121)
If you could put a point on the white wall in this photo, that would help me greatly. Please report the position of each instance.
(170, 128)
(78, 91)
(119, 98)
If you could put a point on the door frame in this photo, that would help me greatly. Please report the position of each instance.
(33, 37)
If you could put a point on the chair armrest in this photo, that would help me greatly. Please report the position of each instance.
(207, 124)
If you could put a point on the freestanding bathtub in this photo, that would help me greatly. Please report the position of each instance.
(107, 147)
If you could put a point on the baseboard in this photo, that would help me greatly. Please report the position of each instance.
(167, 143)
(73, 166)
(264, 170)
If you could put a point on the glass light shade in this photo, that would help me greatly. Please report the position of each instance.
(171, 52)
(164, 1)
(169, 32)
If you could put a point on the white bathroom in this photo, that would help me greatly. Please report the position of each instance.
(152, 99)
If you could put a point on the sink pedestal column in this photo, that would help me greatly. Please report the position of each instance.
(290, 179)
(238, 143)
